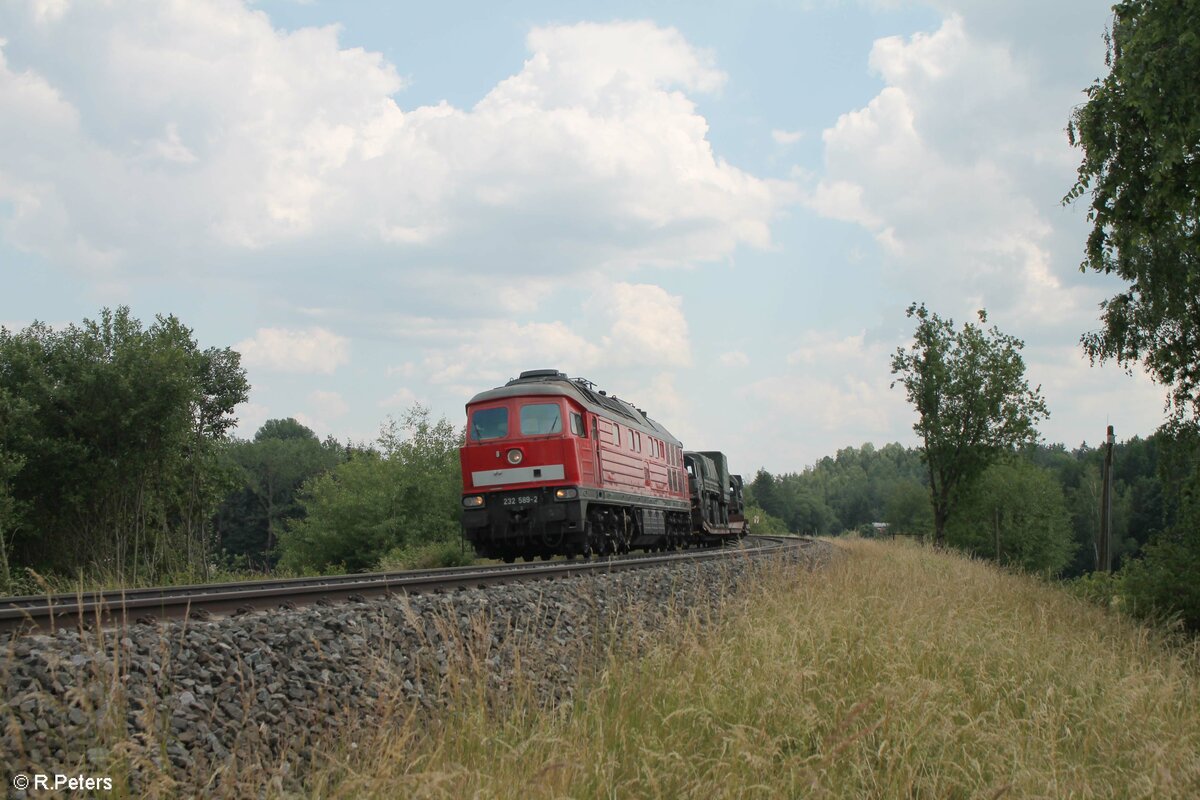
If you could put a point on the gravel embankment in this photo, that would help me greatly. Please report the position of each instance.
(242, 703)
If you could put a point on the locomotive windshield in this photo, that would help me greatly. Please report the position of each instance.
(539, 419)
(489, 423)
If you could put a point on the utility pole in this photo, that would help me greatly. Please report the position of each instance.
(1104, 543)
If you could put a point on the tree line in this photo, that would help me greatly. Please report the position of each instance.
(1037, 509)
(117, 463)
(110, 444)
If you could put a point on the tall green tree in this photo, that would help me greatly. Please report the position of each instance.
(1016, 514)
(271, 469)
(1140, 136)
(763, 491)
(113, 463)
(1163, 581)
(972, 399)
(908, 510)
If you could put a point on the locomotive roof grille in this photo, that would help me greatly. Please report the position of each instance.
(532, 374)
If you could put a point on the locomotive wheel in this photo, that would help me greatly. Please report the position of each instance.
(528, 557)
(546, 556)
(509, 558)
(589, 540)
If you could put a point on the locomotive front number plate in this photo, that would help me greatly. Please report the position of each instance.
(522, 500)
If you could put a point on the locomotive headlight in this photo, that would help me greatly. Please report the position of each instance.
(474, 501)
(515, 456)
(566, 494)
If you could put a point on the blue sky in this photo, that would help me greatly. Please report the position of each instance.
(717, 212)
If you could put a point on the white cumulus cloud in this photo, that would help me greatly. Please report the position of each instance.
(329, 405)
(647, 326)
(166, 133)
(308, 350)
(399, 400)
(952, 167)
(786, 137)
(831, 385)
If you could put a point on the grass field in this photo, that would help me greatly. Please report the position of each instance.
(896, 671)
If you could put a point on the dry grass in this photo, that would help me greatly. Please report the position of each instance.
(894, 672)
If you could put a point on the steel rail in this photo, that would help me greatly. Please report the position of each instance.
(198, 589)
(49, 612)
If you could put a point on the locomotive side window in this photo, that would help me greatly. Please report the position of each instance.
(616, 434)
(489, 423)
(577, 425)
(539, 419)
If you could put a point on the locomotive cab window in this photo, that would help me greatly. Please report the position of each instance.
(540, 419)
(577, 425)
(489, 423)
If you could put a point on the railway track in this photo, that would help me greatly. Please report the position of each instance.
(46, 613)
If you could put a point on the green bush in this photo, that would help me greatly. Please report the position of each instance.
(404, 495)
(1101, 588)
(1165, 582)
(426, 556)
(763, 524)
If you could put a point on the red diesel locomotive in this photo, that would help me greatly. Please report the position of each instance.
(552, 466)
